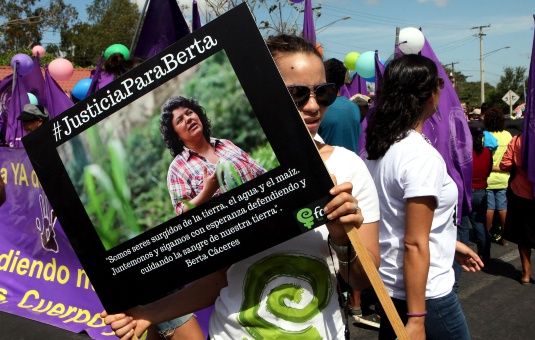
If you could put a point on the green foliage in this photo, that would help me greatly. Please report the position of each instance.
(107, 192)
(218, 90)
(265, 156)
(5, 58)
(24, 21)
(511, 79)
(112, 21)
(148, 174)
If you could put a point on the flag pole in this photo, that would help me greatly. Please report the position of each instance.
(139, 25)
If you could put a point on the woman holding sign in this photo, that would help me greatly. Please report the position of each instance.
(291, 289)
(418, 200)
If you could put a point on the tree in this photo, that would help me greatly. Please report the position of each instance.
(511, 79)
(24, 22)
(281, 15)
(112, 21)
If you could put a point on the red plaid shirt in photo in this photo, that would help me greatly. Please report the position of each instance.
(186, 172)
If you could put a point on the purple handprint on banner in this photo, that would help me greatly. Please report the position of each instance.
(45, 225)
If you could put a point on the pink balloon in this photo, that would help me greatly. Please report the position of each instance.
(60, 69)
(38, 51)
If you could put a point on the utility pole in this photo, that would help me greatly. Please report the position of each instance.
(481, 71)
(452, 73)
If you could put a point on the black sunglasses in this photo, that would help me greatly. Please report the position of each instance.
(325, 94)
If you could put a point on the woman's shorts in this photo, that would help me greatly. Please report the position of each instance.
(496, 199)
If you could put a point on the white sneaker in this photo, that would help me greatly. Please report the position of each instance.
(372, 320)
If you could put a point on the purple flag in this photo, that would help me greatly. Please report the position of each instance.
(344, 91)
(19, 98)
(57, 100)
(5, 96)
(379, 70)
(309, 33)
(357, 85)
(162, 25)
(41, 277)
(195, 17)
(528, 137)
(99, 78)
(34, 81)
(448, 131)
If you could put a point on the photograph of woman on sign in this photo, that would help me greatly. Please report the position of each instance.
(189, 140)
(203, 166)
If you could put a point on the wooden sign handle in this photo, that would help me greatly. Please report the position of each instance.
(377, 284)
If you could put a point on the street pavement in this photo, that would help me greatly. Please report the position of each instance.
(496, 305)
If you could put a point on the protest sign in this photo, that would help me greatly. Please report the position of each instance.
(40, 276)
(94, 202)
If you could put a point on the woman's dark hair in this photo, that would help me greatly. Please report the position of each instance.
(335, 72)
(477, 139)
(284, 43)
(494, 120)
(175, 144)
(408, 83)
(117, 65)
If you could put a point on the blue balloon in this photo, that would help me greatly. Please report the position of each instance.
(365, 66)
(370, 80)
(32, 98)
(79, 91)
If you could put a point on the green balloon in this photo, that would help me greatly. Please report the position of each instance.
(32, 98)
(117, 48)
(350, 60)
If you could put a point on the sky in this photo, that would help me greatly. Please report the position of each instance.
(446, 24)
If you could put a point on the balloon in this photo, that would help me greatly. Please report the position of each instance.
(350, 60)
(23, 62)
(117, 48)
(32, 98)
(365, 66)
(38, 51)
(60, 69)
(79, 91)
(370, 80)
(411, 40)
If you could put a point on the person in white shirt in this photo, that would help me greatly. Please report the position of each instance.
(417, 233)
(288, 290)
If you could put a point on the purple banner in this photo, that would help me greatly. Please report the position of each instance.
(40, 276)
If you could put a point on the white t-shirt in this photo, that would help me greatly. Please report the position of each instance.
(290, 289)
(413, 168)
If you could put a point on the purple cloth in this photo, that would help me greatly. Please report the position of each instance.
(5, 96)
(60, 294)
(195, 16)
(57, 100)
(35, 83)
(309, 33)
(344, 91)
(528, 143)
(95, 77)
(99, 78)
(163, 24)
(379, 70)
(357, 85)
(448, 131)
(19, 98)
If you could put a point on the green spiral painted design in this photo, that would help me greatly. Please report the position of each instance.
(306, 269)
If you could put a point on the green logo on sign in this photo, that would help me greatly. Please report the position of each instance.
(305, 216)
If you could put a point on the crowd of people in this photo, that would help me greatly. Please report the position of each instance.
(398, 196)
